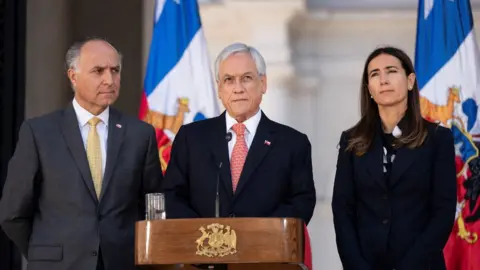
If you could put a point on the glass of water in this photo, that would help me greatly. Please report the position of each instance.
(155, 206)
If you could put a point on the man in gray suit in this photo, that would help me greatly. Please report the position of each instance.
(76, 183)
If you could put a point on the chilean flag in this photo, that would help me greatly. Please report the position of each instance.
(178, 87)
(448, 73)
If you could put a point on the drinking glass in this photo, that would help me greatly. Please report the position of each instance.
(155, 206)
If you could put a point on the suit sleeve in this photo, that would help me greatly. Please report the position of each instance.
(176, 184)
(344, 211)
(302, 198)
(19, 193)
(152, 176)
(443, 204)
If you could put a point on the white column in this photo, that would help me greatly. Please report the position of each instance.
(148, 12)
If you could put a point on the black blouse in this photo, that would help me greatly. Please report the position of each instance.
(388, 155)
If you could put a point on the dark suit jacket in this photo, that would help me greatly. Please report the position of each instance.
(405, 225)
(276, 180)
(49, 208)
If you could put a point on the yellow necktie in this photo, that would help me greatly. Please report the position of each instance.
(94, 155)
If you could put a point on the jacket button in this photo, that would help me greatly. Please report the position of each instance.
(231, 215)
(94, 253)
(385, 221)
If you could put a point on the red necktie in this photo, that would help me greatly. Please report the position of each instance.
(239, 154)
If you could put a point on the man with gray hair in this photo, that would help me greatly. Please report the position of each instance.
(76, 183)
(264, 169)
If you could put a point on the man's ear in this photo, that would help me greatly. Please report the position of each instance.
(72, 75)
(218, 89)
(263, 80)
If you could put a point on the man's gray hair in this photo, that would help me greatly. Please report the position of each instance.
(241, 48)
(73, 53)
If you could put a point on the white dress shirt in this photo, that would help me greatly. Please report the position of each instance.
(251, 125)
(83, 116)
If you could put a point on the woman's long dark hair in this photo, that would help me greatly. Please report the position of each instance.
(362, 134)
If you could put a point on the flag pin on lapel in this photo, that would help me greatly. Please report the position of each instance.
(267, 143)
(118, 126)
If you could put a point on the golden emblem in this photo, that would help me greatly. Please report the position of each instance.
(220, 241)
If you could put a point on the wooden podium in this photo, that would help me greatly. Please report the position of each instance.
(224, 243)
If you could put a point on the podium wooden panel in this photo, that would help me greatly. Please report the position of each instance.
(257, 243)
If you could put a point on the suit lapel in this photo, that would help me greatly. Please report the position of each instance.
(219, 146)
(116, 129)
(404, 156)
(374, 161)
(258, 150)
(73, 138)
(403, 159)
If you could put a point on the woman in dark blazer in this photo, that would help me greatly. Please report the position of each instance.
(394, 195)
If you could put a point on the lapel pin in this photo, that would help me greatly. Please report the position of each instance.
(267, 143)
(118, 126)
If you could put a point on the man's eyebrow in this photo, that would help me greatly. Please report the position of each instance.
(105, 67)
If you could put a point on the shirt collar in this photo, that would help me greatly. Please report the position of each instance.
(84, 116)
(251, 123)
(399, 128)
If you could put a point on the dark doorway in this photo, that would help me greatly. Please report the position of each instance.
(12, 101)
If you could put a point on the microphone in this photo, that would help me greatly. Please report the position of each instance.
(217, 198)
(228, 137)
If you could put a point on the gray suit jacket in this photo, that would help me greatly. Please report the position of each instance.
(49, 208)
